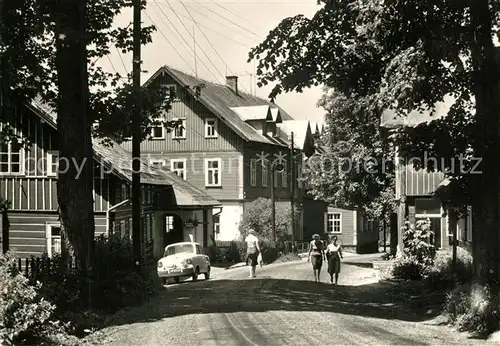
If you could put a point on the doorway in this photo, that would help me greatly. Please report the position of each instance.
(173, 229)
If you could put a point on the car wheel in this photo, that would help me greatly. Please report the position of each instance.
(196, 273)
(164, 281)
(177, 279)
(207, 274)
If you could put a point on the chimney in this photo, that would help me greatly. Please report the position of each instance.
(232, 83)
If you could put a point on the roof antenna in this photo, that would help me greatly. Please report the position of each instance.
(195, 58)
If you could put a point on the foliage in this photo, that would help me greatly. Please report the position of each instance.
(355, 167)
(440, 275)
(402, 58)
(24, 314)
(258, 216)
(418, 254)
(473, 308)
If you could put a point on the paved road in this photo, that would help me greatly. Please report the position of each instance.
(282, 306)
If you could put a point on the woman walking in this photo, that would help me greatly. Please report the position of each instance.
(316, 254)
(334, 254)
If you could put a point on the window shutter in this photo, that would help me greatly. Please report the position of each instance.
(325, 217)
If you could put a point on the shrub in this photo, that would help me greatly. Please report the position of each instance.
(440, 275)
(418, 254)
(24, 314)
(473, 308)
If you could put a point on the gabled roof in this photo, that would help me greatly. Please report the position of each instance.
(247, 113)
(219, 99)
(276, 114)
(300, 129)
(120, 160)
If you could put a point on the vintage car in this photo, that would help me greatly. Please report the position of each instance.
(182, 260)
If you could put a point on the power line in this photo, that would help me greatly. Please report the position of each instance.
(223, 17)
(233, 13)
(121, 59)
(189, 32)
(168, 41)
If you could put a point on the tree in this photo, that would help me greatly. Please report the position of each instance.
(49, 49)
(356, 168)
(258, 218)
(407, 55)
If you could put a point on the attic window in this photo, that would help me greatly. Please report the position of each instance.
(171, 90)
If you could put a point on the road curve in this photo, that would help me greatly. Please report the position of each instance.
(282, 306)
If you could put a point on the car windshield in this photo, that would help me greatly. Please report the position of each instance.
(177, 249)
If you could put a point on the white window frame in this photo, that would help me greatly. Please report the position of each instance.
(183, 126)
(153, 162)
(265, 174)
(327, 220)
(215, 128)
(184, 164)
(253, 172)
(219, 169)
(22, 161)
(50, 171)
(49, 237)
(162, 132)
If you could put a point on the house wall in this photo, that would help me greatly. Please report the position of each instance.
(348, 235)
(35, 190)
(185, 106)
(230, 219)
(27, 232)
(419, 182)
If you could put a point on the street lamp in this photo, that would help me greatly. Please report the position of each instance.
(275, 167)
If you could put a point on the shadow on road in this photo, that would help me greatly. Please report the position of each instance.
(379, 300)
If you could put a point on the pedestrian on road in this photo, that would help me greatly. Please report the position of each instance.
(253, 251)
(316, 254)
(334, 254)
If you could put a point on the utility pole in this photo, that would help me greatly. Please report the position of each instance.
(136, 139)
(292, 188)
(401, 166)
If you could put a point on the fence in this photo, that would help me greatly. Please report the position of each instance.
(283, 247)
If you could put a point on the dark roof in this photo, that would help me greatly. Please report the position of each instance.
(220, 99)
(119, 161)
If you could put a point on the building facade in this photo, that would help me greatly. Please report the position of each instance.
(226, 145)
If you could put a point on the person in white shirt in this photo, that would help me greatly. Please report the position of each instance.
(334, 254)
(253, 250)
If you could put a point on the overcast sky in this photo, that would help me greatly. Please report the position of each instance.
(224, 32)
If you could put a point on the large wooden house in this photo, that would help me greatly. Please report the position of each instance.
(173, 209)
(227, 144)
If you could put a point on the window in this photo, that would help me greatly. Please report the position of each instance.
(171, 90)
(169, 223)
(52, 163)
(11, 158)
(53, 237)
(211, 128)
(124, 191)
(199, 250)
(264, 174)
(213, 172)
(123, 228)
(158, 132)
(157, 162)
(128, 229)
(217, 224)
(276, 178)
(180, 131)
(334, 222)
(178, 166)
(253, 172)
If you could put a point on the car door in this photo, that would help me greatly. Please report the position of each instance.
(202, 259)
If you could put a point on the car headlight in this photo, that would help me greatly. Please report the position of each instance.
(189, 261)
(160, 264)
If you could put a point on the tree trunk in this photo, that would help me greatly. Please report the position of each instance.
(75, 181)
(485, 235)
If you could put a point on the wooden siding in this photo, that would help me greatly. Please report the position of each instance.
(421, 182)
(185, 106)
(27, 231)
(195, 171)
(34, 190)
(347, 237)
(252, 151)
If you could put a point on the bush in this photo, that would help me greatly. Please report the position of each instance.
(440, 275)
(472, 308)
(417, 255)
(24, 314)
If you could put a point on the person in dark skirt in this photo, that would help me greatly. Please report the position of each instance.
(334, 254)
(316, 254)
